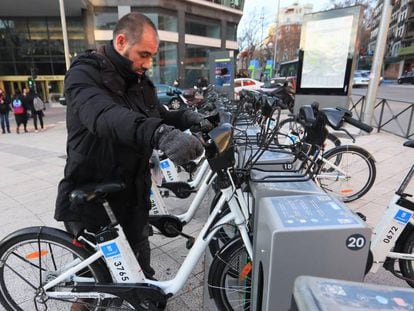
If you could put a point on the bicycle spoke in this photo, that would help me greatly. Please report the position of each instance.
(27, 261)
(53, 257)
(20, 276)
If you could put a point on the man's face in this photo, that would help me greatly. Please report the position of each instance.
(25, 91)
(142, 52)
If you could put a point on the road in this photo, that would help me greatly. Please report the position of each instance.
(396, 111)
(53, 165)
(398, 92)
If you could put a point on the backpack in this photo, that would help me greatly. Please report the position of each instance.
(18, 106)
(38, 103)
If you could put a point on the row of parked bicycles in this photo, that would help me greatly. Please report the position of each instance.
(44, 268)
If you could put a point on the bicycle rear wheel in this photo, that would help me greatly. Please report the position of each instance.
(33, 256)
(229, 278)
(354, 176)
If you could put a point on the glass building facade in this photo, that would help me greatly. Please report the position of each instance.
(189, 31)
(36, 44)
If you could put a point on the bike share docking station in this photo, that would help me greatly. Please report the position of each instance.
(320, 294)
(299, 230)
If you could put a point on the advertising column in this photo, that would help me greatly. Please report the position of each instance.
(328, 48)
(222, 71)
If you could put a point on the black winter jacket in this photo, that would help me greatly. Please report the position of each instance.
(111, 118)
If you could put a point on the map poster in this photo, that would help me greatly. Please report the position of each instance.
(326, 51)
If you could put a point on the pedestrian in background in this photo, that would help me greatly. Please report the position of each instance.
(28, 96)
(37, 112)
(20, 111)
(4, 111)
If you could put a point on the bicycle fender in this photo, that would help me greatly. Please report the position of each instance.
(346, 147)
(39, 230)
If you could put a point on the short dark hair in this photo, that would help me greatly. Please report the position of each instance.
(132, 26)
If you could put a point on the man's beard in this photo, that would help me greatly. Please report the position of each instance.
(139, 71)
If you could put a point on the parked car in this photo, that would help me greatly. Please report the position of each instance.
(245, 84)
(274, 82)
(407, 77)
(167, 95)
(360, 78)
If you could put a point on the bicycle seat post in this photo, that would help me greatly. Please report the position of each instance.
(110, 213)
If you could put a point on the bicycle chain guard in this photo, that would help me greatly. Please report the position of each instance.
(135, 294)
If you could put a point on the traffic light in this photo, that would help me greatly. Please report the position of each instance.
(30, 83)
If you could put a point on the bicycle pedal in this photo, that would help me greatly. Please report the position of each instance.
(190, 242)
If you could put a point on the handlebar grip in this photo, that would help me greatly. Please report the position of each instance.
(365, 127)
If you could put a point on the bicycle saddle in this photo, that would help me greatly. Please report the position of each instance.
(90, 192)
(335, 116)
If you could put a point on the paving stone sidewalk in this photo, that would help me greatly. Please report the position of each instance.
(32, 165)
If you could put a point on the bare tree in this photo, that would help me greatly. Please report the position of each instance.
(249, 40)
(365, 31)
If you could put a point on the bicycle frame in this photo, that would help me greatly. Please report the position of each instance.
(158, 206)
(343, 174)
(215, 221)
(390, 227)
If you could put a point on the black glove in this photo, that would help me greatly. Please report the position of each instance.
(204, 126)
(179, 147)
(191, 118)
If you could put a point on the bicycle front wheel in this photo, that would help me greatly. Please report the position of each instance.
(34, 256)
(229, 277)
(348, 172)
(292, 126)
(287, 128)
(405, 245)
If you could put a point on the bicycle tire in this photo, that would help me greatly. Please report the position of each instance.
(222, 236)
(231, 265)
(360, 180)
(405, 244)
(287, 126)
(20, 252)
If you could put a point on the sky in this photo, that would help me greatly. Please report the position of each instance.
(270, 9)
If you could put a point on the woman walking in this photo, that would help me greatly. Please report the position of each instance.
(4, 111)
(20, 111)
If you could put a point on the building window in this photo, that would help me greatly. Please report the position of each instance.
(234, 4)
(164, 68)
(105, 18)
(163, 22)
(162, 19)
(204, 28)
(36, 43)
(231, 33)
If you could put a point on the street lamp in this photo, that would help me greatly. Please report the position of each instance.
(65, 33)
(276, 34)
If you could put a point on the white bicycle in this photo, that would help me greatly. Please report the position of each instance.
(46, 268)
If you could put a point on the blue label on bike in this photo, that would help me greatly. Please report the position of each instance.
(403, 216)
(164, 164)
(110, 250)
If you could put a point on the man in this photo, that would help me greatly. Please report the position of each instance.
(28, 103)
(114, 122)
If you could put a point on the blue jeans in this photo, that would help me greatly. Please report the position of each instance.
(4, 119)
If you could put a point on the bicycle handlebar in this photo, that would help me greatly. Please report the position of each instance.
(361, 125)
